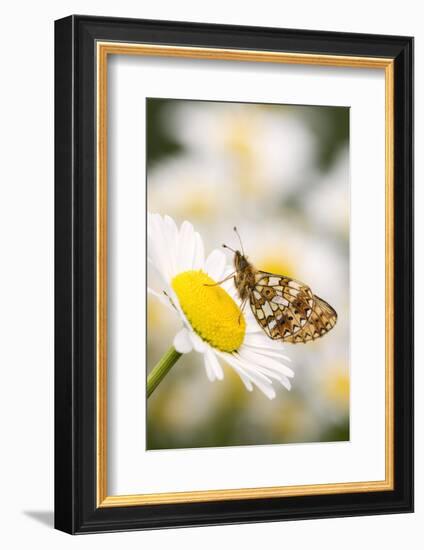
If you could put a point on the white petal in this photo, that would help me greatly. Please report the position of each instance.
(172, 236)
(286, 383)
(270, 375)
(268, 362)
(211, 358)
(215, 265)
(182, 341)
(198, 344)
(268, 352)
(209, 370)
(171, 226)
(246, 381)
(161, 297)
(253, 327)
(265, 387)
(181, 313)
(233, 293)
(162, 281)
(186, 247)
(199, 252)
(248, 384)
(256, 374)
(262, 341)
(245, 371)
(158, 245)
(230, 288)
(267, 390)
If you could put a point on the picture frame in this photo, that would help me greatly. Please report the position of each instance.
(83, 46)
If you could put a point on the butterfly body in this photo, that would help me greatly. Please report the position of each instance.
(286, 309)
(245, 275)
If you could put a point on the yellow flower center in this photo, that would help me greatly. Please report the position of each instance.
(212, 312)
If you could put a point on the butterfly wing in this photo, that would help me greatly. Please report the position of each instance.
(322, 319)
(287, 309)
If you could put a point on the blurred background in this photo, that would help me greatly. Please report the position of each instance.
(280, 173)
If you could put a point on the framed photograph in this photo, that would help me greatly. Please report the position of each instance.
(234, 274)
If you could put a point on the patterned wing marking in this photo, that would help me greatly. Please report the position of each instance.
(322, 320)
(282, 306)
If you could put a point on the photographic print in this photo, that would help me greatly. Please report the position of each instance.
(248, 274)
(224, 197)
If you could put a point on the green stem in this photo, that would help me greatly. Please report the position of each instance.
(161, 369)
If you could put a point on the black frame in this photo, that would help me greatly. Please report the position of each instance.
(75, 275)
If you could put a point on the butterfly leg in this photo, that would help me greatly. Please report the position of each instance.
(223, 280)
(170, 300)
(243, 305)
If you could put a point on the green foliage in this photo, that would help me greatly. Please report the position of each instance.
(159, 143)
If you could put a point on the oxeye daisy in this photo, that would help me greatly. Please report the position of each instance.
(213, 324)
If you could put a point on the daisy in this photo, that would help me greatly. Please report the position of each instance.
(267, 150)
(212, 323)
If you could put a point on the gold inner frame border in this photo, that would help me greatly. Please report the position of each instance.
(103, 50)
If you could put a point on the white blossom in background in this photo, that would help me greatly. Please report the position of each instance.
(266, 151)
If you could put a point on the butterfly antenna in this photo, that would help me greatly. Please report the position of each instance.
(229, 248)
(239, 238)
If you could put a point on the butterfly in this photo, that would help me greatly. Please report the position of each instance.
(286, 309)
